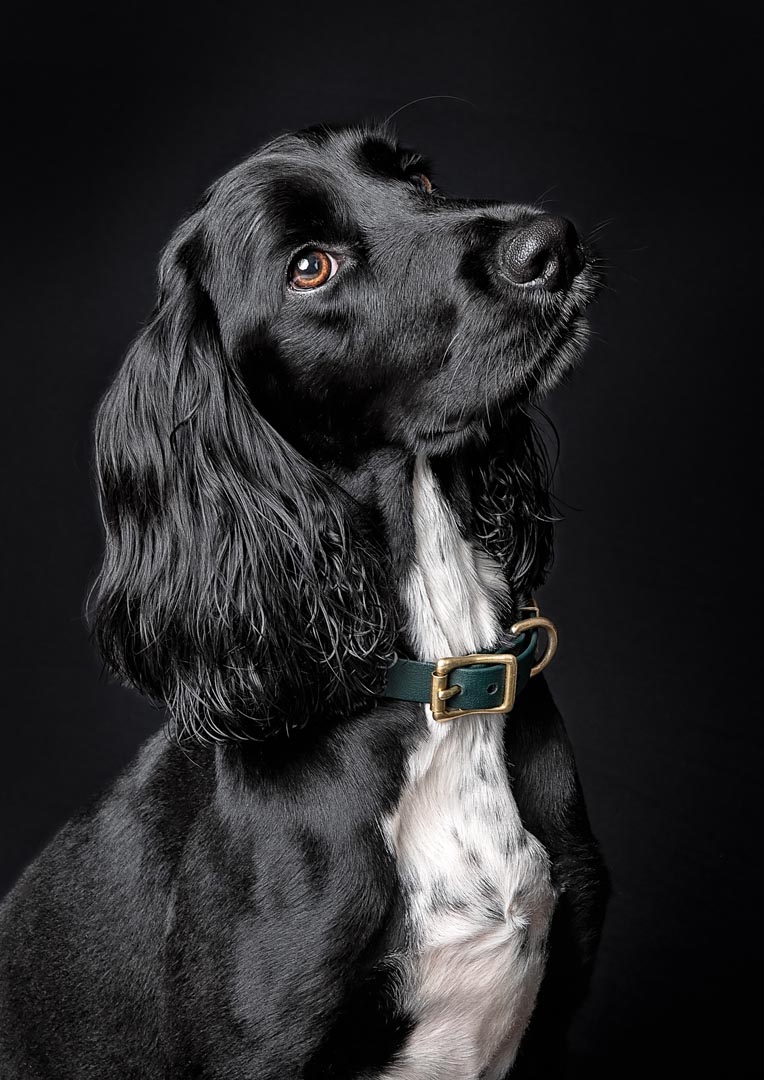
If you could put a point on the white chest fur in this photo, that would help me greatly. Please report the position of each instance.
(479, 899)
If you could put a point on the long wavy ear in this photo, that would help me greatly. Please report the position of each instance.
(514, 518)
(238, 585)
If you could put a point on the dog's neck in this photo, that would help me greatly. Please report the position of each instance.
(453, 591)
(453, 596)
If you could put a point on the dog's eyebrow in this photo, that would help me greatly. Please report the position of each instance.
(307, 211)
(381, 158)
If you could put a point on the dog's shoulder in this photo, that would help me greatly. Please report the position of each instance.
(150, 804)
(94, 903)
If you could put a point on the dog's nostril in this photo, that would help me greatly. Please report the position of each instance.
(547, 253)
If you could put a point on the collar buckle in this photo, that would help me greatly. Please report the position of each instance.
(441, 691)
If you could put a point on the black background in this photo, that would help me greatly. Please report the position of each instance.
(635, 117)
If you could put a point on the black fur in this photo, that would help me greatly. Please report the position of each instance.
(230, 908)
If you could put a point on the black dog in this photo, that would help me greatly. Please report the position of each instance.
(315, 459)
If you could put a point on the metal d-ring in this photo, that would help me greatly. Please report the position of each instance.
(551, 638)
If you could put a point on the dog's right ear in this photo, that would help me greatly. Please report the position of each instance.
(239, 584)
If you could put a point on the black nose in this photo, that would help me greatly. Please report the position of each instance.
(545, 253)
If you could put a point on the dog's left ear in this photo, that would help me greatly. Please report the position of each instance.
(239, 584)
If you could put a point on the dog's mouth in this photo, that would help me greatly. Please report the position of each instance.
(561, 343)
(453, 427)
(452, 434)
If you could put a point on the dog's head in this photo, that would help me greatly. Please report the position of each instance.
(364, 307)
(323, 302)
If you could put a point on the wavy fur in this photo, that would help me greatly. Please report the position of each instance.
(240, 585)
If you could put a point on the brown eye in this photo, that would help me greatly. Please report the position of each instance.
(424, 182)
(312, 268)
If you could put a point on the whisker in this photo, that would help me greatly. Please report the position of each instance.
(428, 97)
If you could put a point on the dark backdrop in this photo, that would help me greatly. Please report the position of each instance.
(612, 114)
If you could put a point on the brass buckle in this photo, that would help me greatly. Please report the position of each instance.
(441, 691)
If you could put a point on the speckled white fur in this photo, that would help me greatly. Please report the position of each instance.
(479, 898)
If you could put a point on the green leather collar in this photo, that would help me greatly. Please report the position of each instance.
(460, 685)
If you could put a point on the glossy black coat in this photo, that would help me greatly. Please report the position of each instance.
(230, 908)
